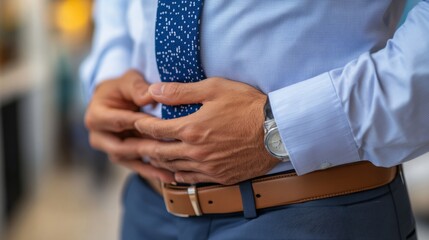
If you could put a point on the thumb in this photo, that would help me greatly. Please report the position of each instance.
(180, 93)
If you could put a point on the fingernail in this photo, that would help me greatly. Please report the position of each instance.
(174, 183)
(156, 89)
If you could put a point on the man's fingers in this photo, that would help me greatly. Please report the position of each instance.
(132, 148)
(114, 120)
(163, 151)
(117, 148)
(148, 171)
(182, 93)
(161, 129)
(179, 165)
(125, 152)
(193, 177)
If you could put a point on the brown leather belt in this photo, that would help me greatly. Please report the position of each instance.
(277, 190)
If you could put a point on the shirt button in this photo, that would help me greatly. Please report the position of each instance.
(325, 165)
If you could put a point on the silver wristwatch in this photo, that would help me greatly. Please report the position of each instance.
(272, 139)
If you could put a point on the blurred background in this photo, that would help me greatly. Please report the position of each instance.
(52, 185)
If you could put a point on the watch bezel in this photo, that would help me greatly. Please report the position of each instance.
(283, 157)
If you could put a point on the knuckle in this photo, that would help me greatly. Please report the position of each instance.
(119, 125)
(136, 91)
(157, 153)
(212, 81)
(132, 75)
(210, 169)
(172, 166)
(197, 154)
(191, 134)
(145, 151)
(138, 84)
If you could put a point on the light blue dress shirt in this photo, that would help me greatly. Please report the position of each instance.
(344, 84)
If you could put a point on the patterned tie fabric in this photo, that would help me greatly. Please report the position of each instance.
(177, 43)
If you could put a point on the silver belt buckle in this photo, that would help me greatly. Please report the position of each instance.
(193, 197)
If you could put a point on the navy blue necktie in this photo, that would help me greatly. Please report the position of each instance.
(177, 43)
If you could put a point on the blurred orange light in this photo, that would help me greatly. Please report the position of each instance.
(73, 16)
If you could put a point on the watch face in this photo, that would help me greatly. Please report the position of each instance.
(275, 144)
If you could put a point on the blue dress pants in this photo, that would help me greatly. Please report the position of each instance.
(381, 213)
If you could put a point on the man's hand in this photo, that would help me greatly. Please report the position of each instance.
(222, 142)
(110, 118)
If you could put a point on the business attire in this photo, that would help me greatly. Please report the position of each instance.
(344, 86)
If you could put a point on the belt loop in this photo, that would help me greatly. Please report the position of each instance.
(248, 199)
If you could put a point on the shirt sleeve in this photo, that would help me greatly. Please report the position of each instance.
(111, 52)
(375, 108)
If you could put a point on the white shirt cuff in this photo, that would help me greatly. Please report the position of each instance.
(313, 125)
